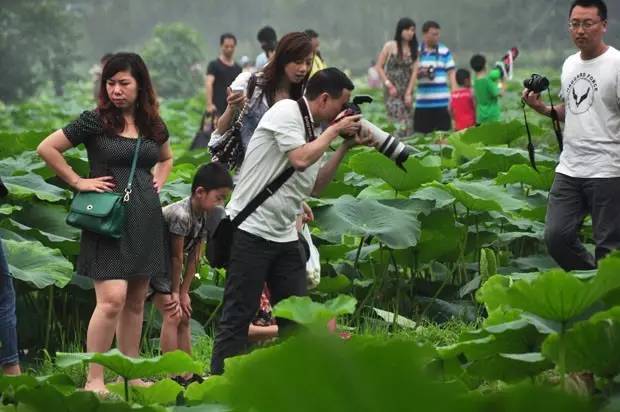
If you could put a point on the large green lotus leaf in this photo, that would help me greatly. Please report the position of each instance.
(522, 173)
(590, 345)
(554, 295)
(304, 311)
(334, 284)
(174, 190)
(419, 171)
(497, 133)
(492, 292)
(395, 227)
(530, 397)
(481, 196)
(382, 191)
(333, 253)
(19, 142)
(133, 368)
(46, 223)
(21, 164)
(325, 373)
(209, 293)
(337, 188)
(509, 367)
(32, 186)
(441, 238)
(462, 150)
(500, 159)
(48, 398)
(37, 264)
(164, 392)
(440, 197)
(7, 210)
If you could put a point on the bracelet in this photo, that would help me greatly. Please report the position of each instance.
(387, 83)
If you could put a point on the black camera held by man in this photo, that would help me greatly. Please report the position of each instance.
(427, 72)
(384, 142)
(538, 84)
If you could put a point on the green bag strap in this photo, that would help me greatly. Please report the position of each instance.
(134, 163)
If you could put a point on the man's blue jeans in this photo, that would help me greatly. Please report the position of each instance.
(8, 320)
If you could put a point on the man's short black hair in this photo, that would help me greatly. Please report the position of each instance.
(212, 176)
(267, 35)
(461, 76)
(599, 4)
(331, 81)
(430, 25)
(478, 62)
(311, 33)
(225, 36)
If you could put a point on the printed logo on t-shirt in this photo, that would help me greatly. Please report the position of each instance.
(580, 93)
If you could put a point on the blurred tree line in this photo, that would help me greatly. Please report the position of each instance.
(45, 39)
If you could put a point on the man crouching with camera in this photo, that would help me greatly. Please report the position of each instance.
(587, 179)
(266, 246)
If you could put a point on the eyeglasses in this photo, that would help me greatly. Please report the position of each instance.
(586, 24)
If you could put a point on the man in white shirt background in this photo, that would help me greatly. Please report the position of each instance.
(587, 179)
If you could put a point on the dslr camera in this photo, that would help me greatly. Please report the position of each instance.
(384, 142)
(426, 71)
(536, 83)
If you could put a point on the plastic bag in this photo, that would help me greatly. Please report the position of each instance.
(313, 265)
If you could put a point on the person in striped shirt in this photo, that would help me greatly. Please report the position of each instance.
(436, 77)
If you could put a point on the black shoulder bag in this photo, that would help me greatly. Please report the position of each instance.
(218, 249)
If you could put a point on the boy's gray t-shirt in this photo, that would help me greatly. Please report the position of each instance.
(181, 221)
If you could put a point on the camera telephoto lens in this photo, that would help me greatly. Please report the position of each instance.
(387, 144)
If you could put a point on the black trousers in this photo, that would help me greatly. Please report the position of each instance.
(430, 120)
(253, 262)
(570, 200)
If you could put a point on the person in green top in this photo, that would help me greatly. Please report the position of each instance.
(487, 91)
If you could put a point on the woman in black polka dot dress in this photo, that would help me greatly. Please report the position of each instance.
(120, 268)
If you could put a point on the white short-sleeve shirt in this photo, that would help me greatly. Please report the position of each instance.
(279, 131)
(591, 93)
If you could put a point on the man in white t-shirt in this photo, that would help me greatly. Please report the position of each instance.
(587, 179)
(266, 245)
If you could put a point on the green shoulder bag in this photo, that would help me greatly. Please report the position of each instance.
(103, 213)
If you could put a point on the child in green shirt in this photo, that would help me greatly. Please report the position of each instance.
(487, 90)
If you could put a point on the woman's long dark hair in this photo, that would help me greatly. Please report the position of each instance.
(146, 111)
(403, 24)
(292, 47)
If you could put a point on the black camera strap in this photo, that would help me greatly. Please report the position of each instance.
(557, 129)
(277, 183)
(530, 145)
(555, 120)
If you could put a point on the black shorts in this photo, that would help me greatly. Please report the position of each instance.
(430, 120)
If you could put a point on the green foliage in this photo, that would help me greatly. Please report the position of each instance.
(397, 227)
(133, 368)
(304, 311)
(173, 55)
(34, 263)
(37, 43)
(374, 164)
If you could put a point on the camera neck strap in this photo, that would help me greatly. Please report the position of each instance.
(307, 119)
(557, 129)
